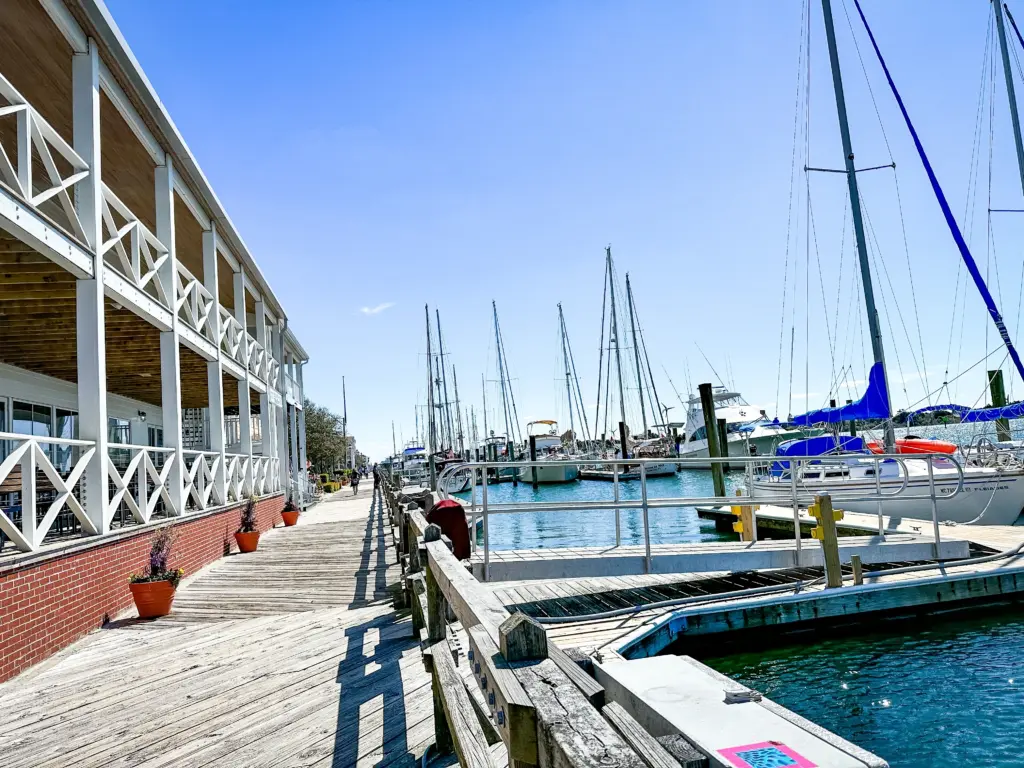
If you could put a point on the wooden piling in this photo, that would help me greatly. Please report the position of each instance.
(723, 442)
(707, 404)
(622, 440)
(998, 396)
(858, 569)
(825, 532)
(533, 457)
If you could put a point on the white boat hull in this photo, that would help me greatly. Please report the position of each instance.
(765, 446)
(663, 469)
(987, 498)
(559, 473)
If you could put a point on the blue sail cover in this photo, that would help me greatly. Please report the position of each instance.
(960, 410)
(1015, 411)
(822, 445)
(873, 405)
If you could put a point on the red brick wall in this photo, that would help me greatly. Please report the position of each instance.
(50, 602)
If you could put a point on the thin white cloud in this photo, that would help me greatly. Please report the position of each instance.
(378, 309)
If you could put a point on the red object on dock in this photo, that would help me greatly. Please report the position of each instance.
(152, 598)
(451, 517)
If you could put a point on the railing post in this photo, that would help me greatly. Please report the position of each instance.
(647, 528)
(28, 495)
(89, 299)
(487, 537)
(244, 393)
(615, 491)
(934, 501)
(142, 481)
(797, 534)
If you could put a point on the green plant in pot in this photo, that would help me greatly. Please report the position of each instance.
(248, 534)
(290, 513)
(153, 589)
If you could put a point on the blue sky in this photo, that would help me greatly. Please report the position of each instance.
(387, 155)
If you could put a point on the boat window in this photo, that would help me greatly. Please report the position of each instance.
(870, 472)
(812, 475)
(835, 473)
(700, 434)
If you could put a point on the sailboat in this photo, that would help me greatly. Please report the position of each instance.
(986, 490)
(544, 432)
(440, 421)
(654, 441)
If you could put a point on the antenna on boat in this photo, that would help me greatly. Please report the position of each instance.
(858, 222)
(614, 337)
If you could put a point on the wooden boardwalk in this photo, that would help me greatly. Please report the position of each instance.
(291, 656)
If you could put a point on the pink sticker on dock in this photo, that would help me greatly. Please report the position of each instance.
(767, 754)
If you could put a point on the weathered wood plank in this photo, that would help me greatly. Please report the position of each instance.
(646, 746)
(466, 734)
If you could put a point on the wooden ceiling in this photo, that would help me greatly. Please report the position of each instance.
(38, 333)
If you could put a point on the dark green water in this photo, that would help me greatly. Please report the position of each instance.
(944, 693)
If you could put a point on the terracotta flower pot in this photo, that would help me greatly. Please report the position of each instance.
(290, 518)
(152, 598)
(247, 542)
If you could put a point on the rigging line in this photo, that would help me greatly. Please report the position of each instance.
(954, 229)
(807, 226)
(709, 363)
(792, 185)
(576, 380)
(867, 81)
(821, 283)
(910, 274)
(673, 385)
(650, 374)
(839, 279)
(876, 257)
(892, 290)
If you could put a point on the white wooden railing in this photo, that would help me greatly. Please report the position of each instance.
(239, 476)
(34, 132)
(29, 454)
(273, 369)
(231, 336)
(143, 482)
(200, 479)
(257, 358)
(135, 251)
(194, 303)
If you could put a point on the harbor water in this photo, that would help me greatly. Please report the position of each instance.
(597, 528)
(947, 692)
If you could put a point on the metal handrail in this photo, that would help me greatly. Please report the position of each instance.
(799, 494)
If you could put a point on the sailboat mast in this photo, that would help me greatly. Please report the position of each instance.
(858, 222)
(568, 384)
(483, 388)
(636, 353)
(615, 337)
(444, 380)
(432, 437)
(1011, 94)
(458, 414)
(501, 376)
(600, 352)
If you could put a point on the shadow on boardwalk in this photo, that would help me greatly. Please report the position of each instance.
(288, 657)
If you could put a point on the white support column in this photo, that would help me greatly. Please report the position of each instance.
(266, 433)
(244, 397)
(302, 427)
(170, 359)
(281, 425)
(296, 471)
(214, 368)
(89, 306)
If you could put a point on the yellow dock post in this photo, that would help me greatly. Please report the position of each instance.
(825, 532)
(746, 527)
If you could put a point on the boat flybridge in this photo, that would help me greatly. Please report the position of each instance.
(749, 432)
(549, 448)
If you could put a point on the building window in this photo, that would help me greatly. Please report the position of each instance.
(31, 419)
(156, 437)
(65, 456)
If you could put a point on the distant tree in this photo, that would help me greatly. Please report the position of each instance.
(325, 445)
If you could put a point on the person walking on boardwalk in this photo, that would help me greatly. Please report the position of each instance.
(355, 482)
(376, 478)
